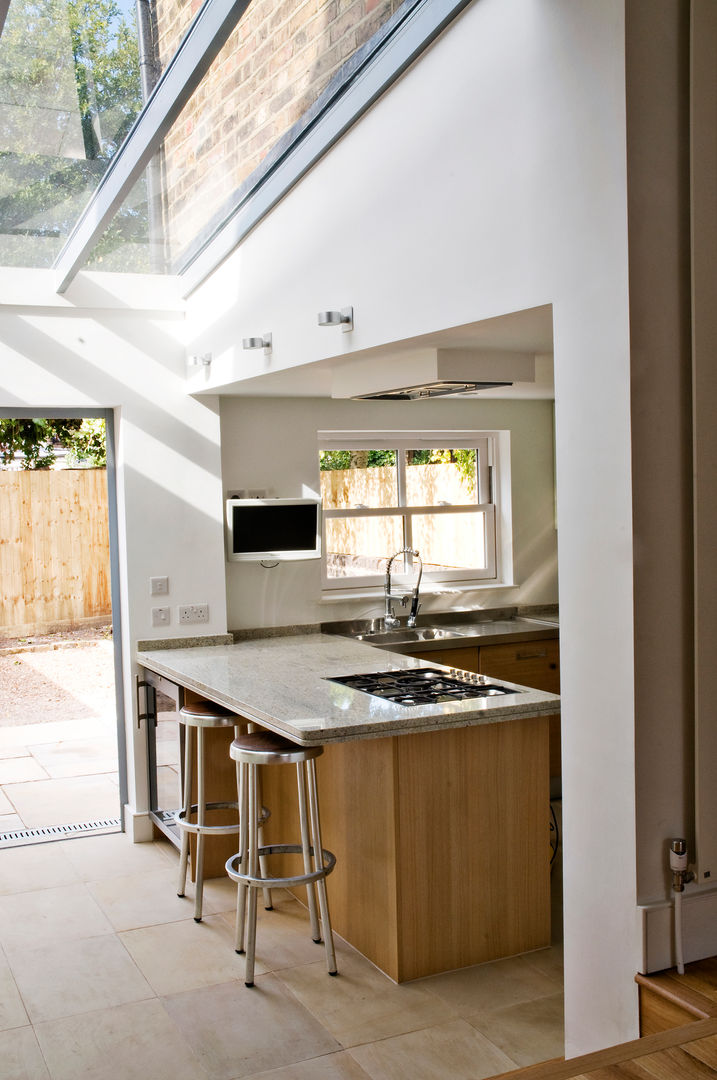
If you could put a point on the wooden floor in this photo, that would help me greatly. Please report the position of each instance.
(679, 1023)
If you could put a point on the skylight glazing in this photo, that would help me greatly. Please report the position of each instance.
(253, 102)
(69, 93)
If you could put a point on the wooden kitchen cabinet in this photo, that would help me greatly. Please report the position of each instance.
(441, 843)
(529, 663)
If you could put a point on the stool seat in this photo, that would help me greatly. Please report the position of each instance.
(207, 714)
(270, 748)
(262, 748)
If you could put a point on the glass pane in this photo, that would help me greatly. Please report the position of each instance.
(358, 479)
(450, 541)
(255, 99)
(358, 546)
(69, 92)
(441, 477)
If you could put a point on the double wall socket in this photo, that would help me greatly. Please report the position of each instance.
(193, 613)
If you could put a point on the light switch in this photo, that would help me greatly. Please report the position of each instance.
(160, 616)
(158, 586)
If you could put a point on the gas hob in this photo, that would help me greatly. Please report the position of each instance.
(423, 686)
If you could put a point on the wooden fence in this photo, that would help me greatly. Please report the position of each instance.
(361, 545)
(54, 550)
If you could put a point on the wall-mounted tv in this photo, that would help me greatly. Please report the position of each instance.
(271, 529)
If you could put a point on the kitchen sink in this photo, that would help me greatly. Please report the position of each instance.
(404, 635)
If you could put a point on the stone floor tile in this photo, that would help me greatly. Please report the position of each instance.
(528, 1033)
(454, 1049)
(20, 1056)
(236, 1031)
(42, 917)
(129, 1042)
(487, 987)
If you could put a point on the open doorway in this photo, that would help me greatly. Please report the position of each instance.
(62, 753)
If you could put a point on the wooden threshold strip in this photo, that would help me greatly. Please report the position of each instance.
(579, 1067)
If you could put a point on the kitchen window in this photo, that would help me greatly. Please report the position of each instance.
(432, 491)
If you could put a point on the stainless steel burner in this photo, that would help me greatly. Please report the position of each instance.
(422, 686)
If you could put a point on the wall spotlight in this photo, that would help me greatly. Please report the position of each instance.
(257, 343)
(201, 359)
(343, 318)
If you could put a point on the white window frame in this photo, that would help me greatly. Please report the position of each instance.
(488, 478)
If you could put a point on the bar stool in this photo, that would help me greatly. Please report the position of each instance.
(198, 716)
(267, 748)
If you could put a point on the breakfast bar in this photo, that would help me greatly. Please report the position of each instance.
(438, 812)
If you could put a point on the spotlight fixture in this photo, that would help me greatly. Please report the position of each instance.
(343, 318)
(201, 359)
(257, 343)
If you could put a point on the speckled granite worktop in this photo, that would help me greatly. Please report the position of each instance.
(281, 682)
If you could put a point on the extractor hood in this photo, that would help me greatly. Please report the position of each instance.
(429, 373)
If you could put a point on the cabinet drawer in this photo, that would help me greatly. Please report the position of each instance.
(530, 663)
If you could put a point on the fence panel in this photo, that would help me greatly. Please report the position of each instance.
(54, 549)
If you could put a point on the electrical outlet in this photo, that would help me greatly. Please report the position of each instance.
(240, 493)
(257, 493)
(193, 613)
(158, 586)
(161, 616)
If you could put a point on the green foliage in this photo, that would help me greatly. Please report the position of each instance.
(71, 90)
(355, 459)
(35, 440)
(87, 447)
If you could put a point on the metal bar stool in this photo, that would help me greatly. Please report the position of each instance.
(198, 716)
(267, 748)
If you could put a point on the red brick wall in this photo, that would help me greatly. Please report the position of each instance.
(274, 66)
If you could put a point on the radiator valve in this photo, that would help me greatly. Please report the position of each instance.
(678, 865)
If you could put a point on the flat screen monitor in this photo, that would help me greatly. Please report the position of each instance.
(284, 529)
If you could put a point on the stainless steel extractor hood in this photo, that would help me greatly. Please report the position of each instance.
(430, 373)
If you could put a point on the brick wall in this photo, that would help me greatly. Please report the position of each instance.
(274, 66)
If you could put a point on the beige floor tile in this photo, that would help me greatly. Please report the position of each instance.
(77, 757)
(27, 868)
(340, 1066)
(142, 899)
(6, 807)
(28, 735)
(454, 1049)
(235, 1031)
(63, 802)
(168, 796)
(42, 917)
(491, 986)
(18, 770)
(131, 1042)
(20, 1056)
(528, 1033)
(97, 857)
(283, 936)
(186, 955)
(549, 961)
(71, 977)
(12, 1010)
(361, 1004)
(10, 822)
(12, 751)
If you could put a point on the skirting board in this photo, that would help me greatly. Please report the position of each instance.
(699, 930)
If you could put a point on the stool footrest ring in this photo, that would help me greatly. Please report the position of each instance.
(179, 816)
(327, 857)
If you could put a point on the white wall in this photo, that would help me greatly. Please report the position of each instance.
(490, 179)
(116, 342)
(270, 443)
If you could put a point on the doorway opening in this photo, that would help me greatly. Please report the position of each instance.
(62, 744)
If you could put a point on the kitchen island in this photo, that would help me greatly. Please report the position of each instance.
(438, 814)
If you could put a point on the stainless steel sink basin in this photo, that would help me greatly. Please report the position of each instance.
(405, 635)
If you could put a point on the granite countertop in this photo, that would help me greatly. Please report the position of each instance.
(281, 682)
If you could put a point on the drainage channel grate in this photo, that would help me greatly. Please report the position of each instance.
(57, 832)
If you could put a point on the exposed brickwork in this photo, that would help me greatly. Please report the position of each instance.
(272, 69)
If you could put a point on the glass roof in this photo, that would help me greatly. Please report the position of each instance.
(220, 94)
(69, 93)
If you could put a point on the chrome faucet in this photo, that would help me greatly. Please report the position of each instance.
(389, 619)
